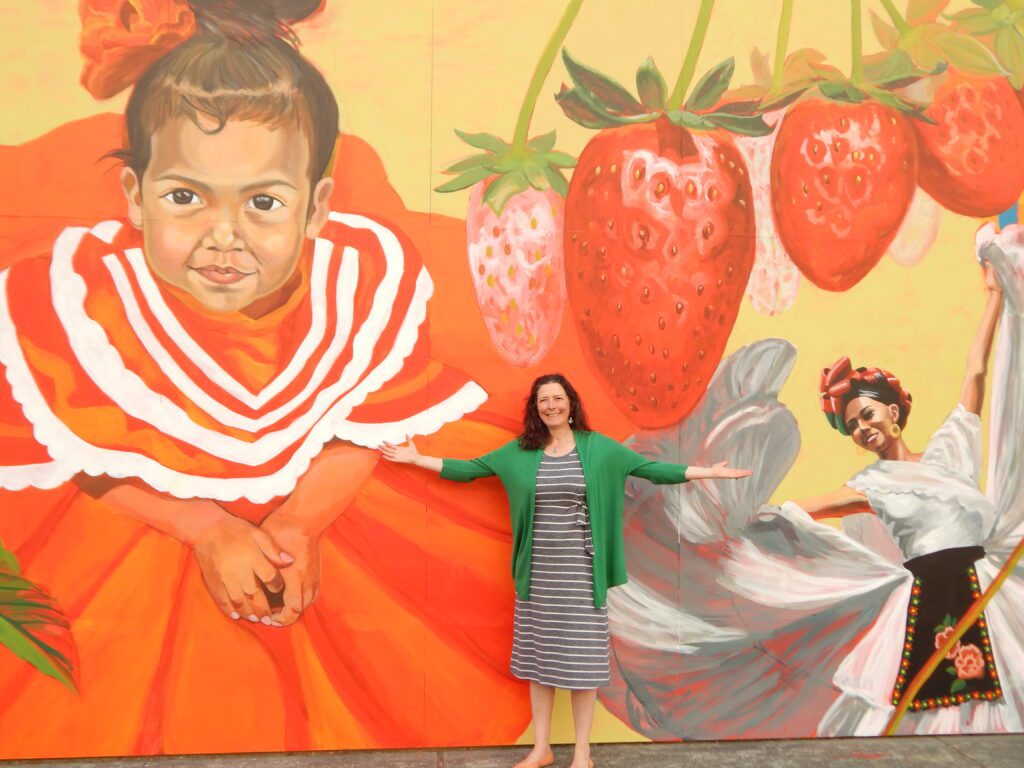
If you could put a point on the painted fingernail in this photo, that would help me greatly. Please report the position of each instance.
(235, 616)
(254, 618)
(276, 624)
(287, 558)
(266, 620)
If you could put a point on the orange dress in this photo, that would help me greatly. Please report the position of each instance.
(109, 372)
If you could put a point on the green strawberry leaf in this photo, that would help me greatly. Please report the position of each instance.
(711, 87)
(466, 180)
(689, 120)
(913, 109)
(557, 180)
(895, 69)
(761, 68)
(581, 110)
(543, 143)
(988, 5)
(469, 163)
(33, 628)
(957, 686)
(784, 99)
(967, 54)
(887, 34)
(534, 172)
(1009, 49)
(948, 621)
(608, 94)
(951, 671)
(743, 107)
(919, 11)
(745, 125)
(843, 90)
(974, 21)
(560, 159)
(503, 189)
(651, 85)
(487, 141)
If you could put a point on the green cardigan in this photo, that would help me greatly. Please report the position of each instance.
(606, 465)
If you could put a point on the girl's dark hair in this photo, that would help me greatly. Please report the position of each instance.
(242, 64)
(881, 391)
(535, 431)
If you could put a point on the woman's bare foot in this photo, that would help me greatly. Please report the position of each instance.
(538, 758)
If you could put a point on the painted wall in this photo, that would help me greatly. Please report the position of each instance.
(407, 642)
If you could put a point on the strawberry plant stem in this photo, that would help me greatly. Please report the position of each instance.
(781, 44)
(898, 21)
(540, 74)
(700, 31)
(857, 64)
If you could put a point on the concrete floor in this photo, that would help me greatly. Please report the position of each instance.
(939, 752)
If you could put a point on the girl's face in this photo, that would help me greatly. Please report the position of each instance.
(869, 423)
(224, 215)
(553, 405)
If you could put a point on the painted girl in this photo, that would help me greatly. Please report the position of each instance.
(792, 628)
(190, 391)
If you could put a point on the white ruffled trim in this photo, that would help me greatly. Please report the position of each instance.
(73, 454)
(44, 476)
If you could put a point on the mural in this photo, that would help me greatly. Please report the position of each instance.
(214, 307)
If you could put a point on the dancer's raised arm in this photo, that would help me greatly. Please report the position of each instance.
(973, 392)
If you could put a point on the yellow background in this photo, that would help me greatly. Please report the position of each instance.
(407, 72)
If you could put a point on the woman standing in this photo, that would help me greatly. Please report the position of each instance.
(565, 485)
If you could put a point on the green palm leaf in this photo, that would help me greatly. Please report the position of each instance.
(32, 626)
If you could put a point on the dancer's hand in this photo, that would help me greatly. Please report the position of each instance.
(301, 579)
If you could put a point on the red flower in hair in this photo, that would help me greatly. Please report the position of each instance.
(121, 38)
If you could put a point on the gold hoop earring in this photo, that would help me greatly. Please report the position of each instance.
(895, 431)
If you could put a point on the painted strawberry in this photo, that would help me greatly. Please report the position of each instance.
(843, 175)
(518, 271)
(514, 224)
(659, 237)
(972, 159)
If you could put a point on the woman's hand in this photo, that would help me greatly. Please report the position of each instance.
(301, 579)
(719, 471)
(401, 454)
(237, 559)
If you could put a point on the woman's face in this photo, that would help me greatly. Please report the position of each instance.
(553, 405)
(869, 423)
(224, 215)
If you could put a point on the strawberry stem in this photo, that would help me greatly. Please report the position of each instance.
(540, 74)
(898, 21)
(781, 44)
(700, 31)
(857, 53)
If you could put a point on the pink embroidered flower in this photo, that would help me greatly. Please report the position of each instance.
(941, 637)
(970, 663)
(121, 38)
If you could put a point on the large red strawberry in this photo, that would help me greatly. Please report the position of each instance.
(971, 159)
(659, 239)
(514, 224)
(843, 175)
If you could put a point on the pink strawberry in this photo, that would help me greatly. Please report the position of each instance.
(518, 271)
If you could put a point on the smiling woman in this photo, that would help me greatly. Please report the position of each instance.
(565, 485)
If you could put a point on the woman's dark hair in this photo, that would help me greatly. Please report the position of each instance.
(878, 389)
(535, 431)
(243, 63)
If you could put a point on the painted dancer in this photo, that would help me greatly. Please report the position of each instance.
(197, 384)
(824, 630)
(565, 485)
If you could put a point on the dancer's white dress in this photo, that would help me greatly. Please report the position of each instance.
(747, 620)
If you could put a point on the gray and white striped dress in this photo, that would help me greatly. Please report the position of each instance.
(560, 638)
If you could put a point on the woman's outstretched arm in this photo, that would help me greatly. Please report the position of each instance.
(973, 392)
(408, 454)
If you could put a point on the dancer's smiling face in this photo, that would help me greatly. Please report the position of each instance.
(870, 422)
(225, 214)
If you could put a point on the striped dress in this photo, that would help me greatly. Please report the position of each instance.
(560, 638)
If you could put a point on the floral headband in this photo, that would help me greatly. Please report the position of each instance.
(839, 380)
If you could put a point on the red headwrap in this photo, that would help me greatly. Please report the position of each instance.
(838, 381)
